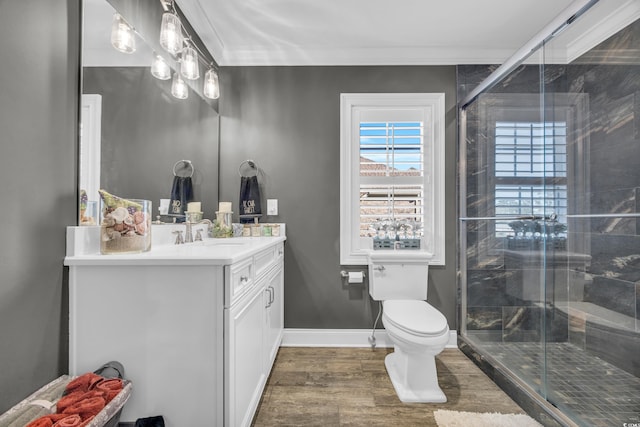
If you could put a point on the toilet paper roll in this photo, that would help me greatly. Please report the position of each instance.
(356, 277)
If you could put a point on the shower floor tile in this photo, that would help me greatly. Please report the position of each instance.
(589, 389)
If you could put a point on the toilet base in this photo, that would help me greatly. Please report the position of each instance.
(414, 385)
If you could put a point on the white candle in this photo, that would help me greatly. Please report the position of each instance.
(193, 207)
(224, 207)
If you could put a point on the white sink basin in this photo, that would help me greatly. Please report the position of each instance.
(217, 242)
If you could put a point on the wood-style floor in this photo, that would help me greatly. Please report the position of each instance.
(350, 386)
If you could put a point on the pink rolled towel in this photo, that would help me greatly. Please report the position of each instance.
(82, 383)
(109, 388)
(69, 421)
(46, 420)
(41, 422)
(86, 408)
(75, 397)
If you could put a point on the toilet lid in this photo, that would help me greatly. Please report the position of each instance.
(415, 317)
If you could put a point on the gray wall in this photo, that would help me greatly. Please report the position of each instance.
(287, 119)
(38, 172)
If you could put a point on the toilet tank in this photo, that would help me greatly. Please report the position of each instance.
(398, 275)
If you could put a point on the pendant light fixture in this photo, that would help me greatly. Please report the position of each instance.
(211, 84)
(159, 68)
(189, 63)
(179, 87)
(122, 35)
(171, 33)
(183, 53)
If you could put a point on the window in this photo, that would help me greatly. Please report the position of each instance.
(391, 149)
(525, 152)
(392, 172)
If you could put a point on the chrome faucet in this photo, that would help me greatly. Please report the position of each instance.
(189, 230)
(188, 238)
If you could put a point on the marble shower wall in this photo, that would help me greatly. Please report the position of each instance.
(593, 299)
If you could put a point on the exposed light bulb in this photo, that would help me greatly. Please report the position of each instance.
(211, 84)
(159, 68)
(122, 35)
(179, 87)
(171, 33)
(189, 64)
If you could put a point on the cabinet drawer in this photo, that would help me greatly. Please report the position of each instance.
(241, 279)
(263, 260)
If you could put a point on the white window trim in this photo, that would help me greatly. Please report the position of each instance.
(353, 251)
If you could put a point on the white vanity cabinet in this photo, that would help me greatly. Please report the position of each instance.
(196, 327)
(254, 322)
(165, 325)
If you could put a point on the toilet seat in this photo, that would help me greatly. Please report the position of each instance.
(415, 317)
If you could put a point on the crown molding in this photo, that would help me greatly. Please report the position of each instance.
(363, 56)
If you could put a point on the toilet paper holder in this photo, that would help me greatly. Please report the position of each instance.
(345, 273)
(348, 275)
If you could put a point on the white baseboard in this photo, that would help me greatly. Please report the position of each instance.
(293, 337)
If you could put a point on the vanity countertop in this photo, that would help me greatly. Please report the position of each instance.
(210, 251)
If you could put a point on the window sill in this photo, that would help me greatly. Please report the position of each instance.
(391, 255)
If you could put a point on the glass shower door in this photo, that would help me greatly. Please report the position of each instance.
(505, 198)
(592, 302)
(550, 221)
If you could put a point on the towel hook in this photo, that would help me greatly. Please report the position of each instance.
(252, 165)
(187, 163)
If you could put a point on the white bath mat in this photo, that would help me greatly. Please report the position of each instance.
(476, 419)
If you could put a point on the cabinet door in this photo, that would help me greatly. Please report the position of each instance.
(274, 314)
(245, 375)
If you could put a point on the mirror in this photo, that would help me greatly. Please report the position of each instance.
(134, 133)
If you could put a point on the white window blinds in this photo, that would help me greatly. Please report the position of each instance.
(391, 175)
(530, 170)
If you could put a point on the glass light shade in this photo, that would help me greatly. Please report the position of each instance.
(211, 85)
(160, 69)
(171, 33)
(179, 87)
(189, 64)
(122, 36)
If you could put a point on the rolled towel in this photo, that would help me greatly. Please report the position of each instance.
(86, 422)
(86, 407)
(68, 400)
(82, 383)
(41, 422)
(73, 398)
(69, 421)
(47, 420)
(110, 388)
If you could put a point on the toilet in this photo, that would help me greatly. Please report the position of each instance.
(418, 331)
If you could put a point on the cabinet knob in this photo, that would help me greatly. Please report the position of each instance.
(244, 279)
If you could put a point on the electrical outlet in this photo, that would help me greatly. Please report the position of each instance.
(272, 206)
